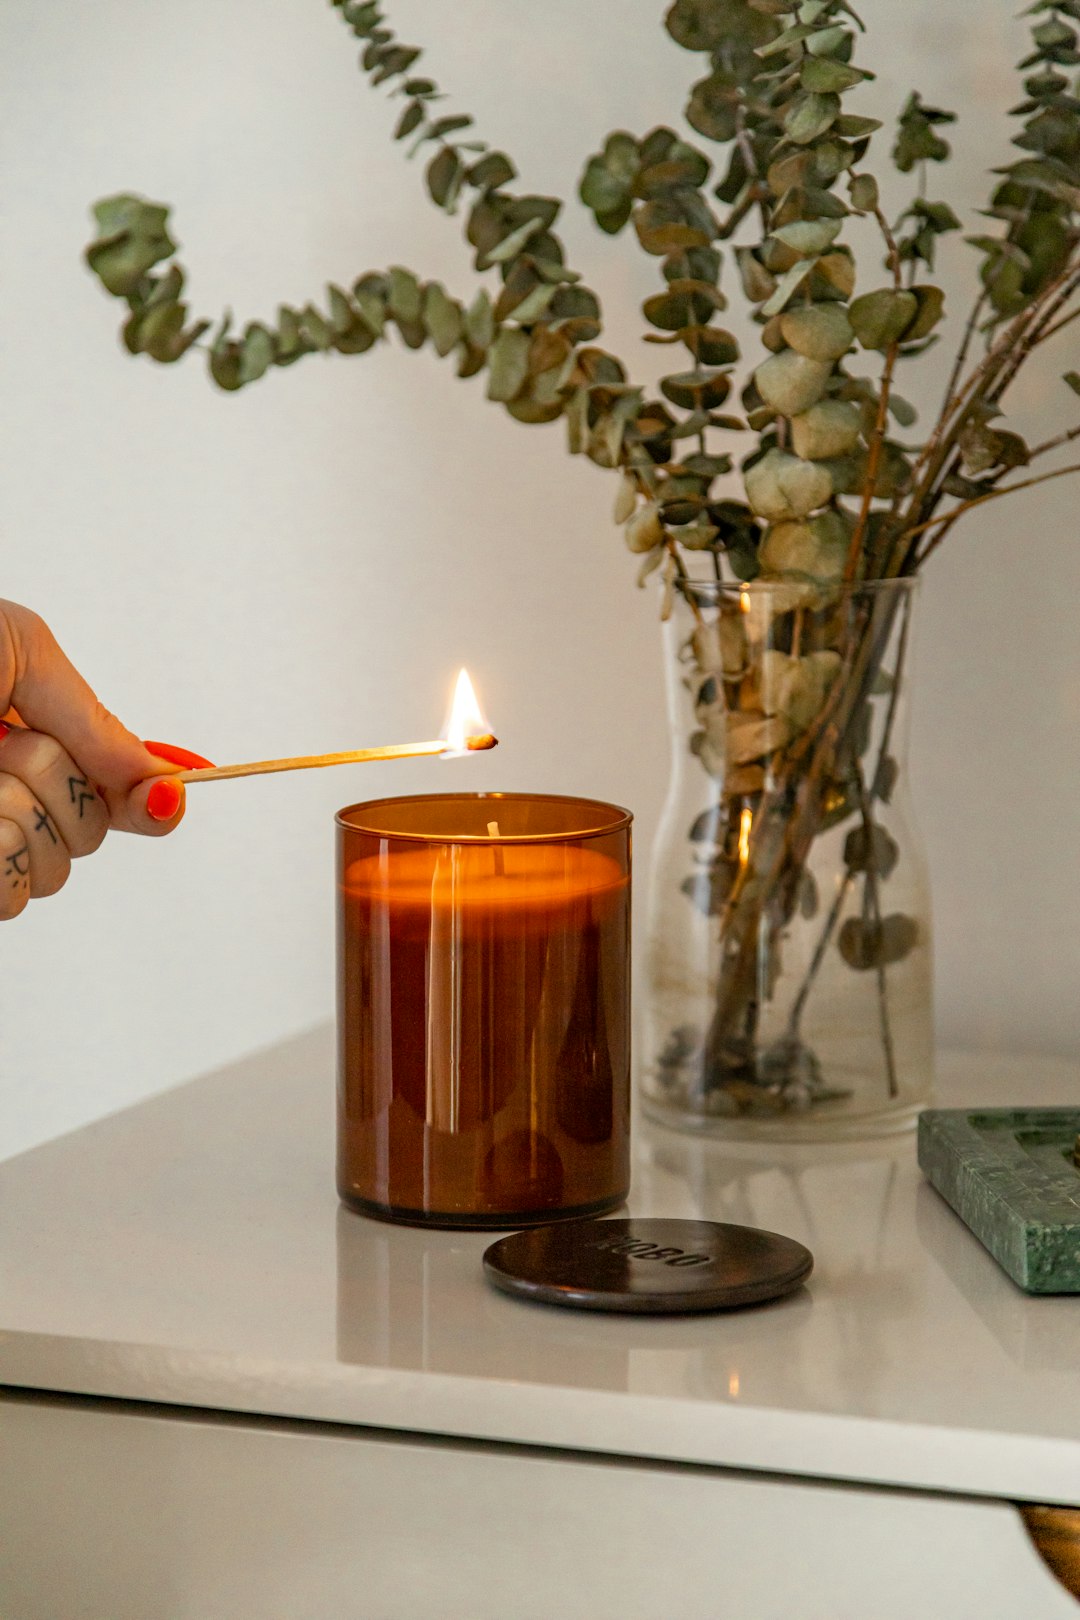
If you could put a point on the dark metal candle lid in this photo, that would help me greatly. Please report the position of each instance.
(655, 1267)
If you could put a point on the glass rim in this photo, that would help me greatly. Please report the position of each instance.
(764, 587)
(617, 819)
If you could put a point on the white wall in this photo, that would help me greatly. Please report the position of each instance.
(302, 567)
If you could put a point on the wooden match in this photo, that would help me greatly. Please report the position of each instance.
(357, 756)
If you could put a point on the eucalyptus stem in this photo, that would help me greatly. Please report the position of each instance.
(980, 500)
(873, 907)
(836, 909)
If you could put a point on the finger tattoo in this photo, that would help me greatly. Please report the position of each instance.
(42, 823)
(17, 867)
(79, 791)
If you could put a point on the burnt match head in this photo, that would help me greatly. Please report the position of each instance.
(476, 745)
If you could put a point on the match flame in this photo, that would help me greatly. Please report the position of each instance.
(466, 718)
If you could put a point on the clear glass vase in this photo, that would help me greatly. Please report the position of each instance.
(788, 979)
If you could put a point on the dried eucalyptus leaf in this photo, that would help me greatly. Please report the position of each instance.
(448, 125)
(854, 128)
(575, 303)
(863, 190)
(405, 300)
(316, 328)
(885, 779)
(708, 827)
(444, 174)
(159, 330)
(412, 333)
(752, 736)
(508, 364)
(697, 390)
(533, 410)
(809, 116)
(224, 363)
(663, 228)
(480, 321)
(472, 360)
(698, 535)
(829, 428)
(867, 944)
(931, 307)
(809, 237)
(493, 170)
(644, 529)
(787, 286)
(258, 351)
(819, 331)
(551, 270)
(443, 318)
(362, 15)
(765, 608)
(371, 304)
(167, 288)
(871, 849)
(602, 191)
(837, 272)
(806, 550)
(782, 486)
(534, 304)
(711, 345)
(824, 74)
(650, 565)
(669, 311)
(625, 498)
(399, 59)
(411, 119)
(342, 314)
(902, 409)
(757, 283)
(882, 318)
(791, 382)
(719, 646)
(290, 342)
(508, 247)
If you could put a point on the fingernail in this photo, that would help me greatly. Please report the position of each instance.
(178, 756)
(163, 800)
(4, 729)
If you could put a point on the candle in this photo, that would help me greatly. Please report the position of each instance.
(483, 1008)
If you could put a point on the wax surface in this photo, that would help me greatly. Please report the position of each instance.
(495, 877)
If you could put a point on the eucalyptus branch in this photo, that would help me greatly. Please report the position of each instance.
(1052, 331)
(970, 327)
(1008, 350)
(1055, 443)
(877, 437)
(981, 500)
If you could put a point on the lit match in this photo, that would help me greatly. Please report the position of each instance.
(466, 733)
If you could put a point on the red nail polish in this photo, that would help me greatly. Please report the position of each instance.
(163, 800)
(4, 729)
(177, 756)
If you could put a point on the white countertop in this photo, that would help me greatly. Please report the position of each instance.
(191, 1250)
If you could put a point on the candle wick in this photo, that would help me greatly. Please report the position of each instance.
(500, 864)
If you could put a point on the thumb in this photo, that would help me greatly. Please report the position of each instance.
(40, 681)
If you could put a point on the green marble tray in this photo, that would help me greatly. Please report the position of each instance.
(1009, 1174)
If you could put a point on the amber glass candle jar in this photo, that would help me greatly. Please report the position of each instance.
(483, 1008)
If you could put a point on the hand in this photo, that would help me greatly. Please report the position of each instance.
(68, 769)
